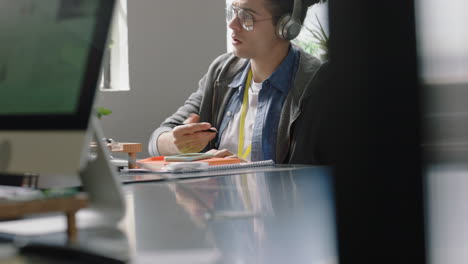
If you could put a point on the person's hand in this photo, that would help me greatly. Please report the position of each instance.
(224, 153)
(192, 137)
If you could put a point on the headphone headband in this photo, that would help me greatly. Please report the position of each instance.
(296, 14)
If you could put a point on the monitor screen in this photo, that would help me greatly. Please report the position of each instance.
(50, 61)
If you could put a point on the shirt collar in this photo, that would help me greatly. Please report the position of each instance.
(240, 77)
(280, 78)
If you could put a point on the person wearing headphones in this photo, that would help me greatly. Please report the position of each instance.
(249, 101)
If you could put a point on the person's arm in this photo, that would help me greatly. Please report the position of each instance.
(162, 141)
(165, 144)
(190, 137)
(180, 132)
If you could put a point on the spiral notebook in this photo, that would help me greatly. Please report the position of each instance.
(149, 167)
(241, 165)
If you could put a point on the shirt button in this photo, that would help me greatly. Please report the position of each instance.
(228, 113)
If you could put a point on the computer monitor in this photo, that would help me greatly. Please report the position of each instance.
(50, 59)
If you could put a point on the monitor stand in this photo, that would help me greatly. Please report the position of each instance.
(100, 180)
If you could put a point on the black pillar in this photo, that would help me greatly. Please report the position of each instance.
(375, 132)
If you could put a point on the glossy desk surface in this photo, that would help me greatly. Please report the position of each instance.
(285, 215)
(280, 216)
(263, 215)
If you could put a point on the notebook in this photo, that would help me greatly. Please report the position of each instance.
(157, 164)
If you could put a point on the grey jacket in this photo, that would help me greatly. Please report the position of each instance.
(213, 94)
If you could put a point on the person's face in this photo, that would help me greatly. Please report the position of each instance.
(259, 41)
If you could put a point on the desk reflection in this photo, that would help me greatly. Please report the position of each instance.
(263, 217)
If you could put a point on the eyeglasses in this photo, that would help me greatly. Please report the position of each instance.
(245, 17)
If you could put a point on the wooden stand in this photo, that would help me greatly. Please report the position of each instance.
(67, 205)
(131, 149)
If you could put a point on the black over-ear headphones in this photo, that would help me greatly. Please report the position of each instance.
(289, 26)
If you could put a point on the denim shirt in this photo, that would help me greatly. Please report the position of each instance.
(270, 102)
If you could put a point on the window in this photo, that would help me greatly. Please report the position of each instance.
(314, 34)
(443, 38)
(115, 74)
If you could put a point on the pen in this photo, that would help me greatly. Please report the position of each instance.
(135, 171)
(212, 130)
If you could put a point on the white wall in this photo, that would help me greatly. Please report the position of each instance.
(171, 44)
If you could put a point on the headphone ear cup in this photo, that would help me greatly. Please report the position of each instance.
(281, 26)
(288, 28)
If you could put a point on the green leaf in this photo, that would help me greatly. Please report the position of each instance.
(317, 45)
(101, 111)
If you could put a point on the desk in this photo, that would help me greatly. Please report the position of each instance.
(264, 217)
(272, 216)
(152, 177)
(280, 216)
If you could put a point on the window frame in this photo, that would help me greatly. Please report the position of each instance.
(115, 66)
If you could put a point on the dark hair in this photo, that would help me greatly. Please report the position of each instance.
(278, 8)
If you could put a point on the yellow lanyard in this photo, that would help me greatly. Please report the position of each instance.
(245, 101)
